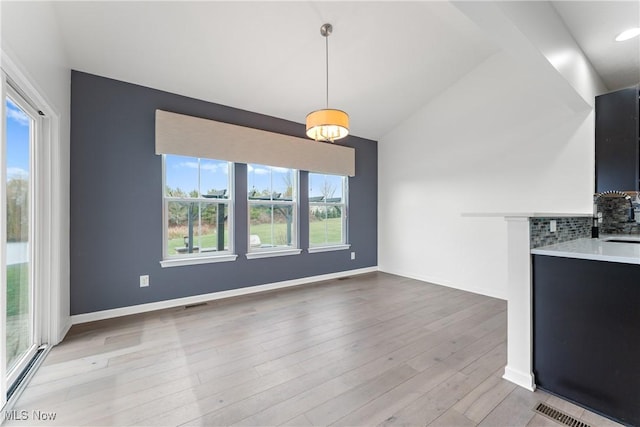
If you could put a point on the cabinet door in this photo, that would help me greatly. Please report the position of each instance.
(586, 344)
(617, 141)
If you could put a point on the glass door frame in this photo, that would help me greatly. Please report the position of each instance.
(3, 255)
(35, 313)
(50, 247)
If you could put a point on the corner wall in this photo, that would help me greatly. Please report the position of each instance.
(116, 203)
(492, 142)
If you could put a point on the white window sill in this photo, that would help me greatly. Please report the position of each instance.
(273, 253)
(177, 262)
(317, 249)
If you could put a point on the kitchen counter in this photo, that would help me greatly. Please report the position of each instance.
(525, 214)
(596, 249)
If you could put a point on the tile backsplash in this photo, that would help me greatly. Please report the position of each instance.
(569, 228)
(615, 216)
(615, 220)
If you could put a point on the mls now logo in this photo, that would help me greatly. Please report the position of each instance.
(43, 416)
(24, 415)
(15, 415)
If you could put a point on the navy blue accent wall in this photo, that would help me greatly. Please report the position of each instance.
(116, 202)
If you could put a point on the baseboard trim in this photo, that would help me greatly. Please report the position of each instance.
(519, 378)
(437, 281)
(63, 331)
(143, 308)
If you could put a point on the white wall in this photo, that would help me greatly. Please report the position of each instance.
(31, 39)
(496, 141)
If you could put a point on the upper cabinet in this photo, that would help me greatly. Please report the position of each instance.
(618, 141)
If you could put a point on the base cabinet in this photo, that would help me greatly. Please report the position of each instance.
(586, 334)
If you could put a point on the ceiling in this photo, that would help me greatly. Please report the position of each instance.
(594, 25)
(387, 59)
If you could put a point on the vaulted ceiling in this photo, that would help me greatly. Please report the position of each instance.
(594, 25)
(387, 59)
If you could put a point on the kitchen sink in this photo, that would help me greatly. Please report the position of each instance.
(621, 240)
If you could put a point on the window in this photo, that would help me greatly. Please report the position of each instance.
(19, 143)
(198, 202)
(327, 211)
(272, 209)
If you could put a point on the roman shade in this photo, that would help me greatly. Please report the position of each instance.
(196, 137)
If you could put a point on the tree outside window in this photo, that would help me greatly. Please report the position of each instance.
(327, 209)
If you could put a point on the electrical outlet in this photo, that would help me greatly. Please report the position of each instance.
(353, 255)
(552, 226)
(144, 281)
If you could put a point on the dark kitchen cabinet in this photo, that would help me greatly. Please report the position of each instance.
(586, 333)
(618, 141)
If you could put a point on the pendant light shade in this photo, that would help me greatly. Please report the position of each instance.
(328, 124)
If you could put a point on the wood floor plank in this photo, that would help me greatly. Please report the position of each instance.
(336, 408)
(300, 421)
(452, 418)
(477, 404)
(375, 349)
(381, 408)
(515, 410)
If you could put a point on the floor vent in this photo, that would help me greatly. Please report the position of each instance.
(559, 416)
(344, 278)
(200, 304)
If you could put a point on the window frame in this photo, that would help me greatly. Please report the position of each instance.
(344, 204)
(229, 201)
(294, 249)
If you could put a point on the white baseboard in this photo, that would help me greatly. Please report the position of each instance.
(63, 331)
(437, 281)
(143, 308)
(519, 378)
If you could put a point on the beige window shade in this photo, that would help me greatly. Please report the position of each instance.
(196, 137)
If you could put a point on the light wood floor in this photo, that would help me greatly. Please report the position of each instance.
(374, 349)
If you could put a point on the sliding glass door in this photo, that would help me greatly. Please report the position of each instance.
(21, 128)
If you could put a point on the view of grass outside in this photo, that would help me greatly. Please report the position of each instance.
(325, 231)
(318, 229)
(17, 311)
(207, 240)
(273, 224)
(17, 279)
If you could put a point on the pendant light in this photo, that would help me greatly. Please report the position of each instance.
(327, 125)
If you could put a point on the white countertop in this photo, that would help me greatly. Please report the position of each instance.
(525, 214)
(596, 249)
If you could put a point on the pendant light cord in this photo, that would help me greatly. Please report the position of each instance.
(326, 39)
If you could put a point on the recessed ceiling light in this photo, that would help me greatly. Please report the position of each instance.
(628, 34)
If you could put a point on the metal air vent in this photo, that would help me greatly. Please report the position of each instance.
(559, 416)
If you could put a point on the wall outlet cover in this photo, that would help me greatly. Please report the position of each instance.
(144, 281)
